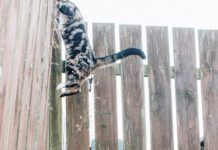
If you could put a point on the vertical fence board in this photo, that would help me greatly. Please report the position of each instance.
(2, 26)
(132, 90)
(55, 103)
(25, 74)
(208, 45)
(159, 88)
(186, 89)
(38, 122)
(77, 120)
(105, 89)
(10, 125)
(28, 69)
(3, 20)
(10, 87)
(77, 116)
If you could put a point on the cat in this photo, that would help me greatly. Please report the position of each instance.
(80, 58)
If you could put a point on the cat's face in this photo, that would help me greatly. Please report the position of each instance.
(67, 12)
(66, 8)
(64, 13)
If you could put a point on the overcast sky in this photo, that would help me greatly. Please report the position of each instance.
(191, 13)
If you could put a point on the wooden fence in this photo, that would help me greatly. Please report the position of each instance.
(159, 75)
(31, 112)
(25, 44)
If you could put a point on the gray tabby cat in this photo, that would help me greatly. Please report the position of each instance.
(81, 60)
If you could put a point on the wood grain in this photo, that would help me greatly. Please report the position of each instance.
(208, 46)
(159, 88)
(26, 70)
(78, 120)
(55, 103)
(2, 45)
(132, 90)
(105, 89)
(186, 88)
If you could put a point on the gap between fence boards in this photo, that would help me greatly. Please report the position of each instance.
(146, 68)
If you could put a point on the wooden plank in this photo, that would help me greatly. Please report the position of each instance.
(159, 88)
(55, 103)
(28, 71)
(38, 123)
(3, 16)
(208, 46)
(13, 77)
(25, 74)
(132, 90)
(186, 88)
(105, 89)
(77, 116)
(78, 120)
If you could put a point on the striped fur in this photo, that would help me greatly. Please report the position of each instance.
(80, 59)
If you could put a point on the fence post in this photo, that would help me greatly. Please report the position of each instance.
(132, 90)
(159, 88)
(55, 103)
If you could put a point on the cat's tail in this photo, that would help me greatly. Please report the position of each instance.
(107, 60)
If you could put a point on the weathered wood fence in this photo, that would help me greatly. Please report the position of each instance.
(31, 112)
(159, 75)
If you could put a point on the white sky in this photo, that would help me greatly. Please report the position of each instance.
(188, 13)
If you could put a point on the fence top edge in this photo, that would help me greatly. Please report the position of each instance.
(207, 29)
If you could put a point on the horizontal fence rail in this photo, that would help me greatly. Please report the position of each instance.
(146, 71)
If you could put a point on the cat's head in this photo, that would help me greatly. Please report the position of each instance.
(66, 8)
(66, 12)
